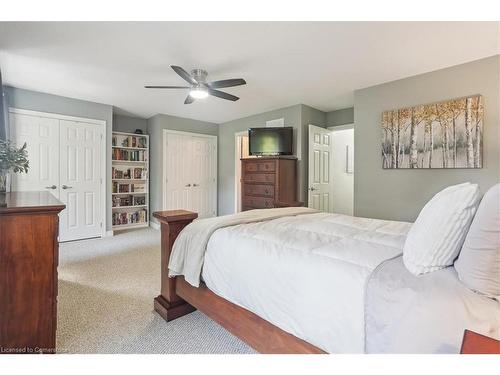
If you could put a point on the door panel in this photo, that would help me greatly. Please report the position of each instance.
(41, 135)
(80, 180)
(190, 168)
(178, 172)
(320, 158)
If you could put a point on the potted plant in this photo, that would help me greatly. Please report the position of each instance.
(12, 159)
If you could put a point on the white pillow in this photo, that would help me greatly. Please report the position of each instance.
(478, 265)
(437, 235)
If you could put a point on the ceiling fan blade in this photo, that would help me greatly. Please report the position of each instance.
(227, 83)
(185, 75)
(189, 99)
(222, 95)
(166, 87)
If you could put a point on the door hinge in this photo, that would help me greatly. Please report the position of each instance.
(101, 180)
(101, 136)
(101, 224)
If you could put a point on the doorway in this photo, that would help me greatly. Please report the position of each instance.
(241, 151)
(343, 169)
(331, 164)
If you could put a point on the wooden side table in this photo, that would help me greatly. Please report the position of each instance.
(475, 343)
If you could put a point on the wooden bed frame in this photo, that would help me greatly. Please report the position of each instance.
(178, 298)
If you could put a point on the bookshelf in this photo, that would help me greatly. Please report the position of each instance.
(130, 180)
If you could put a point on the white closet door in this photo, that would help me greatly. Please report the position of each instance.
(203, 187)
(191, 174)
(178, 172)
(41, 135)
(80, 180)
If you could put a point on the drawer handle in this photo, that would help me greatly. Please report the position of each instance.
(51, 187)
(67, 187)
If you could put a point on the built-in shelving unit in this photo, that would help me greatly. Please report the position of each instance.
(130, 180)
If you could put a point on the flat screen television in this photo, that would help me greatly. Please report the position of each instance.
(270, 141)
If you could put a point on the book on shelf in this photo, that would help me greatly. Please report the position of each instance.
(129, 200)
(118, 187)
(129, 141)
(138, 173)
(129, 155)
(135, 217)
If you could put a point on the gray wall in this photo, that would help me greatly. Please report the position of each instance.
(155, 126)
(340, 117)
(128, 124)
(292, 116)
(38, 101)
(401, 194)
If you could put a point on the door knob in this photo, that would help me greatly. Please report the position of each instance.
(195, 185)
(188, 185)
(67, 187)
(51, 187)
(312, 188)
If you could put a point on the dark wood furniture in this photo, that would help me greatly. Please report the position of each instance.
(178, 298)
(475, 343)
(29, 225)
(268, 180)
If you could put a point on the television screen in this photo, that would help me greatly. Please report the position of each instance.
(271, 141)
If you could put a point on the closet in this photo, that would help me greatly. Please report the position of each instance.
(190, 172)
(67, 158)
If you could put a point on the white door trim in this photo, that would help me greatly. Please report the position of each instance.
(341, 127)
(56, 116)
(102, 125)
(164, 164)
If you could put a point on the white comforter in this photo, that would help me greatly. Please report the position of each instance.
(305, 274)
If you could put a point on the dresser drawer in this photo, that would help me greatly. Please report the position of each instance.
(258, 202)
(259, 190)
(259, 178)
(260, 166)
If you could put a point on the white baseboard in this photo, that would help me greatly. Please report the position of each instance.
(109, 233)
(154, 225)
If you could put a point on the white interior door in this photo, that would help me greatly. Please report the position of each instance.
(80, 180)
(320, 157)
(66, 158)
(178, 172)
(41, 135)
(342, 171)
(203, 176)
(190, 169)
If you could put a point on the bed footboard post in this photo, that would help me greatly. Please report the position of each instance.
(168, 304)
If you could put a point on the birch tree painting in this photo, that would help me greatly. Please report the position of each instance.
(440, 135)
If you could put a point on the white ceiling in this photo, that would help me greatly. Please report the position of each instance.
(284, 63)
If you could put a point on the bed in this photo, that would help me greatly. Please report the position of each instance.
(294, 280)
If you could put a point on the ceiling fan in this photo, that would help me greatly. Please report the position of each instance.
(199, 87)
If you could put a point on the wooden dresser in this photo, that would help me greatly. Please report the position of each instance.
(268, 182)
(28, 271)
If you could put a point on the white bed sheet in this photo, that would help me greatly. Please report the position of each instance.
(304, 274)
(412, 314)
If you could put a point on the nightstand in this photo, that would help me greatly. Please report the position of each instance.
(474, 343)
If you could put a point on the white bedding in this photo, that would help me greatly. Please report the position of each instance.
(304, 274)
(423, 314)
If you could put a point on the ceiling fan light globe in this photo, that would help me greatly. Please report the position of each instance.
(198, 93)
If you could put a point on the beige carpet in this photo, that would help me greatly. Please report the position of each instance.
(106, 291)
